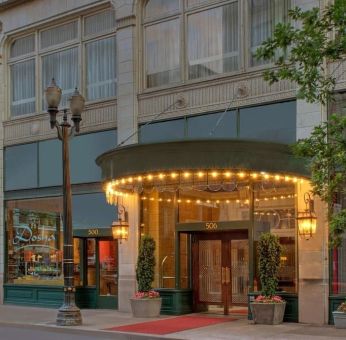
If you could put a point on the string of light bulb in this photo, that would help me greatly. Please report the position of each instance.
(165, 181)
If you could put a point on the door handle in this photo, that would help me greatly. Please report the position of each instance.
(223, 275)
(228, 275)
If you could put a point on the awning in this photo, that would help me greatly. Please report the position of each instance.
(194, 155)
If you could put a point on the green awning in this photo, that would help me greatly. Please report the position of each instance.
(200, 154)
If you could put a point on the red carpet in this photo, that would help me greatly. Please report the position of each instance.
(172, 325)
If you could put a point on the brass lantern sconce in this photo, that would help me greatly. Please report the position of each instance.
(120, 228)
(307, 219)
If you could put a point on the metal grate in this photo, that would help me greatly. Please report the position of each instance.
(210, 271)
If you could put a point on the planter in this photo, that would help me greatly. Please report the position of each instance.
(339, 319)
(268, 313)
(146, 308)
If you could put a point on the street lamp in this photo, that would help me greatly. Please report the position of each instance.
(68, 314)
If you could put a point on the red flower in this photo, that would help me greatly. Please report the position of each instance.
(151, 294)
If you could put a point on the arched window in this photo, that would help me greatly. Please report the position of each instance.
(192, 39)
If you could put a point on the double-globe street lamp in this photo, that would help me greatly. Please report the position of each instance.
(68, 314)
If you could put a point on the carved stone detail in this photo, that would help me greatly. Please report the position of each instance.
(213, 95)
(36, 127)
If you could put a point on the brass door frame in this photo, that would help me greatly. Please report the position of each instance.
(226, 262)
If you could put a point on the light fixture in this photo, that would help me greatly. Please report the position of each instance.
(120, 228)
(307, 219)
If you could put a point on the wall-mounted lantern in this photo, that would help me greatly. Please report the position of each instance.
(120, 228)
(307, 219)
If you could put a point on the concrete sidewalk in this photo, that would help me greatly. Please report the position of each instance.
(99, 320)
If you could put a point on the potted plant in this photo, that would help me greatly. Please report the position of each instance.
(268, 308)
(340, 316)
(146, 302)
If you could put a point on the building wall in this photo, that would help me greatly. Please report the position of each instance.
(135, 105)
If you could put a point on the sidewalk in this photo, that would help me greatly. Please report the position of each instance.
(100, 320)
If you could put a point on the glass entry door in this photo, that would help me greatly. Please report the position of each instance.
(220, 270)
(107, 273)
(96, 272)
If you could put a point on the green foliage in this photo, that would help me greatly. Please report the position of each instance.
(146, 264)
(326, 149)
(301, 48)
(301, 51)
(269, 251)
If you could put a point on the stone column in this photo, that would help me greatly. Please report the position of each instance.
(313, 288)
(126, 130)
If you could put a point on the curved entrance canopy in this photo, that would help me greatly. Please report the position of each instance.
(217, 164)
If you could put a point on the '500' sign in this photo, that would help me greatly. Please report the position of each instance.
(211, 226)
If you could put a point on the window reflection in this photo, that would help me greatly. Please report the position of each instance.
(108, 264)
(34, 230)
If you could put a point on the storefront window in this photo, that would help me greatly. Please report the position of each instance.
(274, 211)
(34, 241)
(91, 265)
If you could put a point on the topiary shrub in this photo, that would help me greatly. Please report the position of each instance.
(269, 251)
(145, 269)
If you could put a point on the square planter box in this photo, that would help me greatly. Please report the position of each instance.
(268, 313)
(339, 319)
(146, 308)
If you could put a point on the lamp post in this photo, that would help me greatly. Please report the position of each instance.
(68, 314)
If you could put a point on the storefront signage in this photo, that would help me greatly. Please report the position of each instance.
(93, 232)
(24, 234)
(211, 225)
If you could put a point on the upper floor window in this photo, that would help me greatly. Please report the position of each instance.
(77, 53)
(191, 39)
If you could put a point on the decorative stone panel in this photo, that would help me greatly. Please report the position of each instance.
(28, 129)
(212, 95)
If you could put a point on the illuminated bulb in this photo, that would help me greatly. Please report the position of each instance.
(256, 199)
(200, 174)
(241, 174)
(188, 201)
(208, 201)
(254, 175)
(161, 176)
(169, 200)
(301, 181)
(214, 174)
(150, 177)
(160, 200)
(277, 177)
(139, 178)
(275, 198)
(246, 201)
(130, 180)
(151, 198)
(186, 174)
(144, 198)
(266, 176)
(198, 201)
(266, 198)
(179, 201)
(295, 179)
(173, 175)
(228, 174)
(123, 181)
(227, 201)
(287, 178)
(217, 201)
(238, 201)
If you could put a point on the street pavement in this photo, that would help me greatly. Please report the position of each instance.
(17, 322)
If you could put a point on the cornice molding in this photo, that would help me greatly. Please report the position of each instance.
(126, 21)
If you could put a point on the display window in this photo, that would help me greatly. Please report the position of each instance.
(34, 241)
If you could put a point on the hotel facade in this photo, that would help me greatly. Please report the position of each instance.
(181, 138)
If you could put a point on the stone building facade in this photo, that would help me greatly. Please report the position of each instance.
(151, 71)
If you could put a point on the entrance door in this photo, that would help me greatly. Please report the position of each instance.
(96, 272)
(220, 270)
